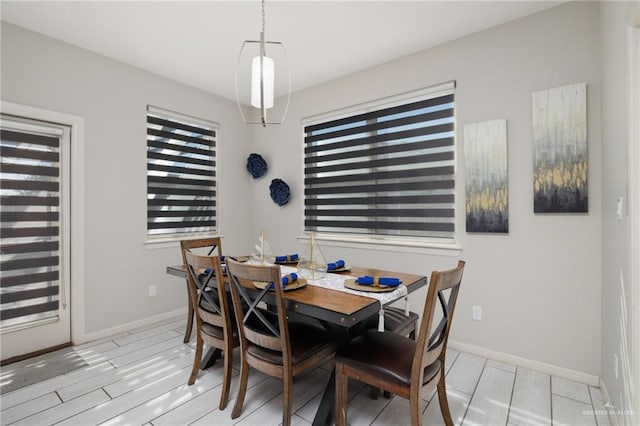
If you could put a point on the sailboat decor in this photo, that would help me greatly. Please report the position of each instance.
(313, 264)
(262, 253)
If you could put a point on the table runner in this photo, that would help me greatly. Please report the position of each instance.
(336, 282)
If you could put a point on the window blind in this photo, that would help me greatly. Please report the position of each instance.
(30, 218)
(387, 171)
(181, 174)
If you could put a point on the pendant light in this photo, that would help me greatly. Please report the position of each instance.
(262, 77)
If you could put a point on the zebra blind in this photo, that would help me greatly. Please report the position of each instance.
(181, 174)
(31, 220)
(388, 171)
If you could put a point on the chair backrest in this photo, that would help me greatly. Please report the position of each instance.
(432, 345)
(256, 325)
(209, 246)
(203, 272)
(202, 246)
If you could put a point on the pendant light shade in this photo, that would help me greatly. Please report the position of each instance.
(262, 72)
(263, 80)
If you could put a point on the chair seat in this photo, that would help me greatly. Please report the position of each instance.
(395, 321)
(387, 355)
(306, 340)
(213, 294)
(213, 330)
(217, 332)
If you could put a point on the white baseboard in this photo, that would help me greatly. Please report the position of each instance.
(101, 334)
(578, 376)
(613, 420)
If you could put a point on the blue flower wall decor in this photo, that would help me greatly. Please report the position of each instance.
(256, 165)
(279, 192)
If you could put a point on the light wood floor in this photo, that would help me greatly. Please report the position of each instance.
(139, 378)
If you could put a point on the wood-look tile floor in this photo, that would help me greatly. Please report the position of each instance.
(139, 378)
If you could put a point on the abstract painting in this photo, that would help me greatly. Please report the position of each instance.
(560, 165)
(487, 189)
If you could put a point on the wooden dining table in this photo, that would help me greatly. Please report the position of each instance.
(338, 310)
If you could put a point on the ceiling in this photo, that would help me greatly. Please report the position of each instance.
(197, 42)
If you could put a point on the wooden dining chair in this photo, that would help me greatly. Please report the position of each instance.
(208, 246)
(215, 325)
(269, 341)
(400, 365)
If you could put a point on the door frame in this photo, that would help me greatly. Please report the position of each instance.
(633, 84)
(76, 123)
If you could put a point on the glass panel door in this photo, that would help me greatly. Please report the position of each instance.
(34, 284)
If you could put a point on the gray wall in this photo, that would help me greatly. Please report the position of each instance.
(539, 286)
(41, 72)
(616, 262)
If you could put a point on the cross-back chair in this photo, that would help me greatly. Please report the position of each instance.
(269, 341)
(399, 364)
(208, 246)
(213, 313)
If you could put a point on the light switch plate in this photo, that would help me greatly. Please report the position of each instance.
(619, 208)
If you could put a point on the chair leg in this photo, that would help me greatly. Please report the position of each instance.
(190, 315)
(442, 398)
(342, 384)
(286, 400)
(196, 360)
(226, 379)
(374, 392)
(242, 390)
(415, 409)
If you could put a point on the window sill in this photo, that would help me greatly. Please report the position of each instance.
(431, 247)
(154, 243)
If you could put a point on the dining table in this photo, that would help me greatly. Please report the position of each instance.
(340, 312)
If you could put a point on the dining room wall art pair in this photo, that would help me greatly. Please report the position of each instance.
(560, 166)
(279, 190)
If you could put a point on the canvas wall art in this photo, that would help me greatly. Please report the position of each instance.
(487, 189)
(560, 166)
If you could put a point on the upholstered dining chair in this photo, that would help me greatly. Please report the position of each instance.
(269, 341)
(399, 364)
(208, 246)
(215, 325)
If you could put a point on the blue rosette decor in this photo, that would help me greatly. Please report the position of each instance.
(256, 165)
(279, 192)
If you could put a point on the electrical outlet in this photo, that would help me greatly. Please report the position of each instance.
(615, 365)
(476, 312)
(152, 290)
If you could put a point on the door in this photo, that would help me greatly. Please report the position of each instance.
(34, 242)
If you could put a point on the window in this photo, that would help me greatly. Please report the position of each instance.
(181, 174)
(386, 171)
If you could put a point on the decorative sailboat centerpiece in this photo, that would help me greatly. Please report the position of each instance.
(262, 253)
(312, 264)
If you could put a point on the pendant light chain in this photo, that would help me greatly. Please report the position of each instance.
(263, 18)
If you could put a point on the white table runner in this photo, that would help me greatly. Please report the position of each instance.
(336, 282)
